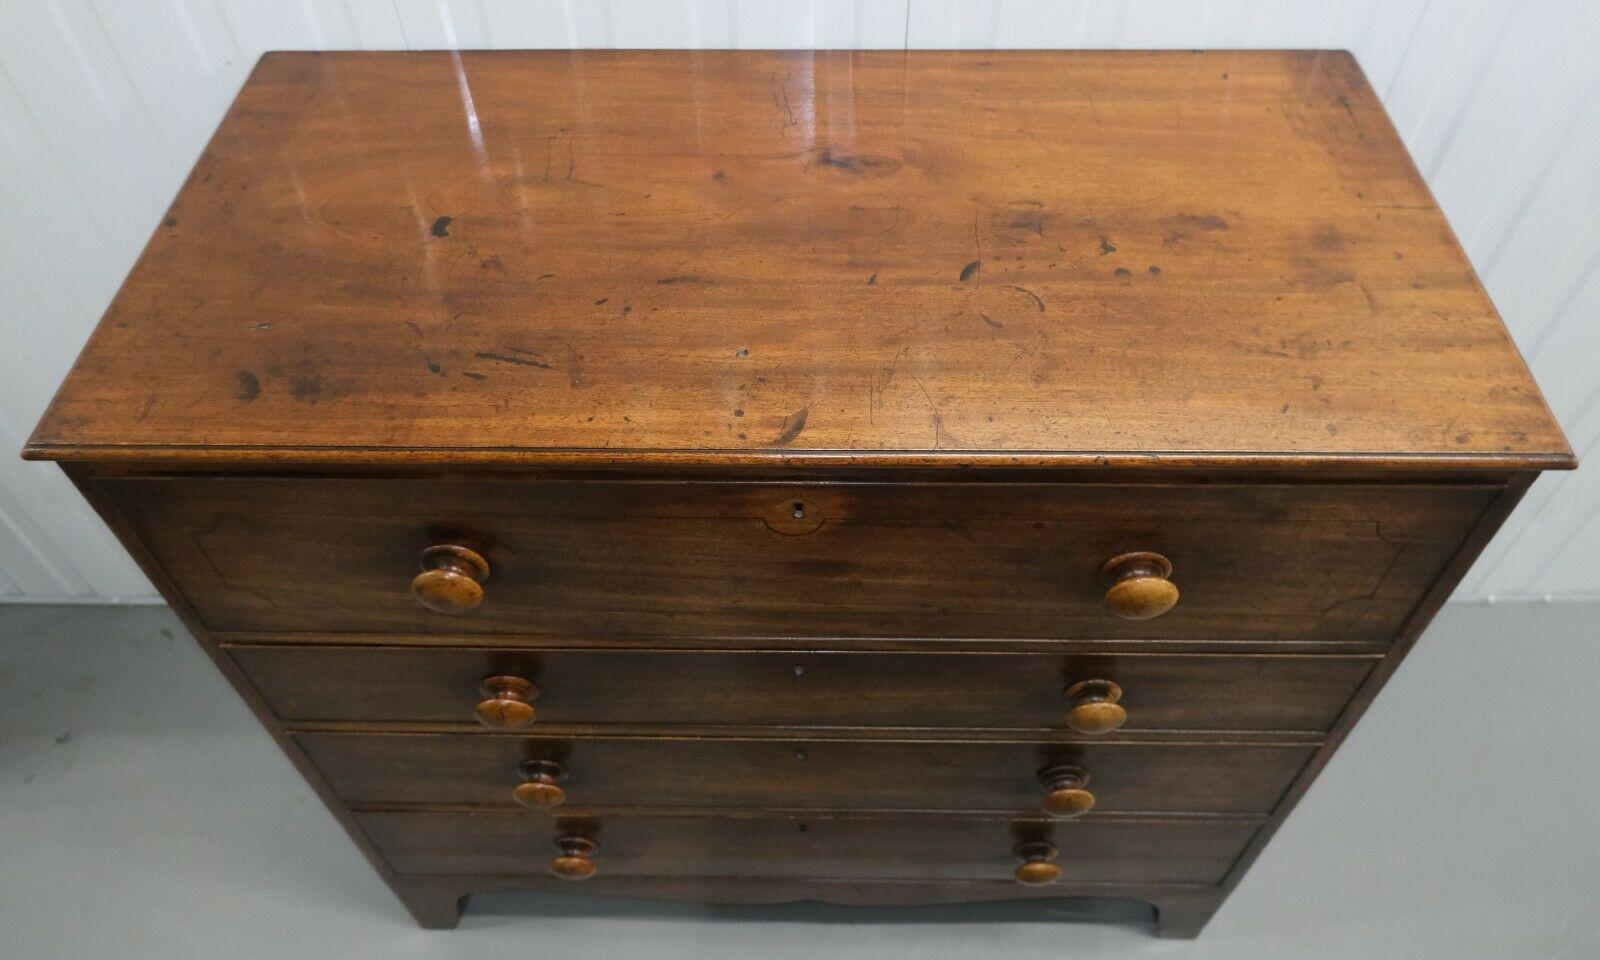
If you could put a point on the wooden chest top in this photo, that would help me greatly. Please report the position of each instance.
(1225, 258)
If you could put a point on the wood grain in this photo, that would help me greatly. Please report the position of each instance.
(757, 256)
(821, 847)
(804, 772)
(804, 689)
(1309, 562)
(797, 403)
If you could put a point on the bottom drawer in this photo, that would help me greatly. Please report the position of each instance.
(812, 847)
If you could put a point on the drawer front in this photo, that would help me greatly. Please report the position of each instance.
(805, 689)
(572, 559)
(805, 773)
(813, 847)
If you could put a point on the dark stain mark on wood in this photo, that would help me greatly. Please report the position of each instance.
(247, 386)
(144, 409)
(741, 352)
(519, 361)
(305, 386)
(1178, 226)
(1207, 221)
(792, 425)
(441, 226)
(473, 374)
(601, 302)
(857, 163)
(432, 367)
(1037, 300)
(686, 278)
(1106, 247)
(719, 175)
(991, 321)
(1030, 221)
(415, 330)
(546, 276)
(968, 271)
(1123, 272)
(492, 262)
(264, 325)
(1155, 271)
(1328, 239)
(738, 413)
(170, 222)
(872, 279)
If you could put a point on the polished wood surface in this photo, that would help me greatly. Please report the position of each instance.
(821, 846)
(805, 689)
(505, 702)
(1139, 585)
(1096, 706)
(1069, 795)
(1309, 562)
(576, 860)
(1036, 868)
(756, 256)
(451, 580)
(538, 790)
(902, 477)
(793, 771)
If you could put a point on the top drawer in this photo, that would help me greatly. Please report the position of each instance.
(714, 559)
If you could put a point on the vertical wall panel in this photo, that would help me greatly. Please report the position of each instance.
(104, 105)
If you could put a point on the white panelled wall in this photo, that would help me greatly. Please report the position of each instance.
(104, 105)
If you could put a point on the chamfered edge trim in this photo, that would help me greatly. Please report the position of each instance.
(771, 457)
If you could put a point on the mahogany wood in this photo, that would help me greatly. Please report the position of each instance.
(822, 846)
(801, 688)
(800, 772)
(880, 559)
(791, 254)
(451, 580)
(840, 430)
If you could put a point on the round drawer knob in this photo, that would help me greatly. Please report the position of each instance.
(1067, 797)
(538, 787)
(451, 580)
(576, 861)
(1095, 709)
(506, 702)
(1036, 868)
(1138, 585)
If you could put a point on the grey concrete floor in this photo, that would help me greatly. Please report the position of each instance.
(143, 813)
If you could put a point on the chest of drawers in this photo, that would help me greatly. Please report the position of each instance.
(748, 477)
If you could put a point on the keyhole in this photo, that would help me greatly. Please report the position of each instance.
(799, 669)
(799, 510)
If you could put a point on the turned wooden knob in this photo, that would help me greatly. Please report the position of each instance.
(451, 580)
(1067, 797)
(1036, 868)
(506, 702)
(1094, 706)
(538, 787)
(1137, 585)
(576, 861)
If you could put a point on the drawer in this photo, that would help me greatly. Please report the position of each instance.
(712, 559)
(805, 688)
(807, 773)
(819, 847)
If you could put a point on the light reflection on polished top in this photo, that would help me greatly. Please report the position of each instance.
(762, 255)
